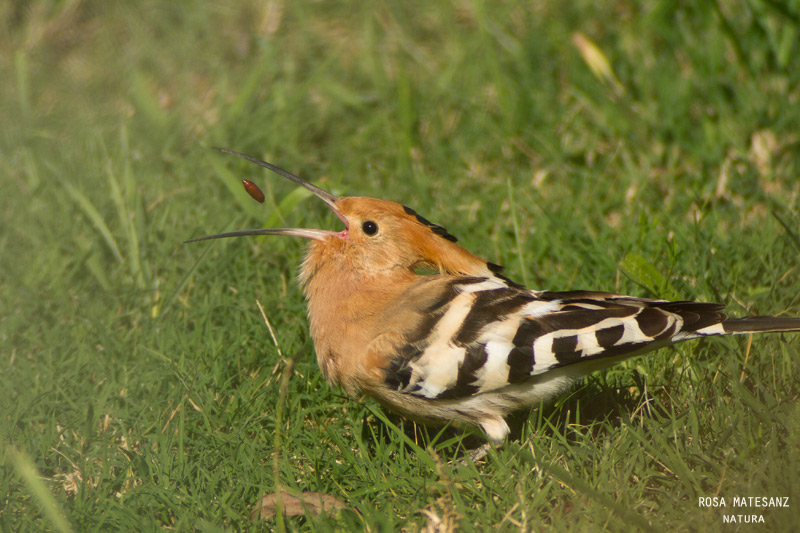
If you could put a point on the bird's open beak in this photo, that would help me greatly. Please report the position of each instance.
(325, 196)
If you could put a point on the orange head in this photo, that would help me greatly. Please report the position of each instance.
(380, 237)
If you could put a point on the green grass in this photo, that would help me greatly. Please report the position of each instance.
(139, 384)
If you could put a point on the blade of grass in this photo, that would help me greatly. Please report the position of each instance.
(91, 212)
(33, 481)
(579, 485)
(127, 216)
(792, 235)
(517, 238)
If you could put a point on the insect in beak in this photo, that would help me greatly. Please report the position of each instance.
(256, 193)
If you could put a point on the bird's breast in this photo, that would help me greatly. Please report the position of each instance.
(347, 314)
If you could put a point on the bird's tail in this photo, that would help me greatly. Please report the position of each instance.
(760, 324)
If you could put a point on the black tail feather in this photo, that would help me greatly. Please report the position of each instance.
(760, 324)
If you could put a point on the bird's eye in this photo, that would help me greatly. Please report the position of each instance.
(369, 227)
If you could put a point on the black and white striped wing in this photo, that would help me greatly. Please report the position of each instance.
(490, 335)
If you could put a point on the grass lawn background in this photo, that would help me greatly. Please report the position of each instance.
(642, 148)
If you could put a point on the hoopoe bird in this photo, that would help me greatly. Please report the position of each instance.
(466, 344)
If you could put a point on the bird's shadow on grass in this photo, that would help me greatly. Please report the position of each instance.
(593, 404)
